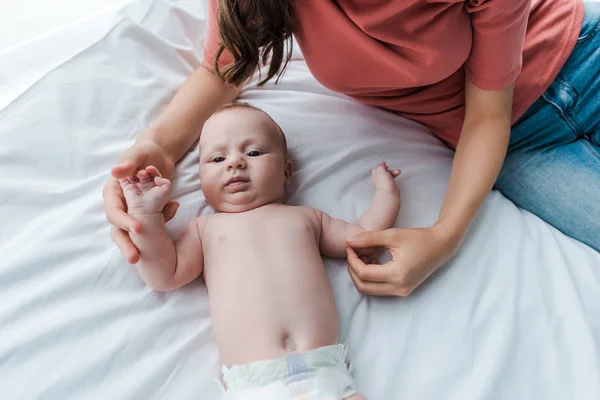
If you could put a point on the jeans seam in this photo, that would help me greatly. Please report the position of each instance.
(562, 114)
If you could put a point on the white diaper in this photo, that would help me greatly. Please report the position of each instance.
(319, 374)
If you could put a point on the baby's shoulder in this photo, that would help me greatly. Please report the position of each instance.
(305, 212)
(201, 221)
(297, 209)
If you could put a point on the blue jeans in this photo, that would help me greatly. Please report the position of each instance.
(553, 163)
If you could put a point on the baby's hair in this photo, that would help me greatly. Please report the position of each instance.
(250, 106)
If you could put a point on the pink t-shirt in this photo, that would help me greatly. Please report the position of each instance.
(412, 56)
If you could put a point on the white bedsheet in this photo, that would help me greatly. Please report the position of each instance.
(37, 36)
(515, 315)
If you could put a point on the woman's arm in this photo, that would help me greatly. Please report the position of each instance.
(494, 64)
(179, 126)
(417, 253)
(197, 98)
(479, 156)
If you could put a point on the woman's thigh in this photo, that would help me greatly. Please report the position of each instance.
(553, 163)
(560, 184)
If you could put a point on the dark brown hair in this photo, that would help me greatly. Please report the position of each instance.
(252, 31)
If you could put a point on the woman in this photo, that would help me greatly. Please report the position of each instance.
(511, 85)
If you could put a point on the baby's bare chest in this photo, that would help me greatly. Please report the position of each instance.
(281, 227)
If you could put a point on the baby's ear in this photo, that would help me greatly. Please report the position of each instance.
(287, 171)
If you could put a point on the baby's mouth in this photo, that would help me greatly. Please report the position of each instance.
(236, 181)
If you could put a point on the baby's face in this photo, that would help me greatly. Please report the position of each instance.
(242, 160)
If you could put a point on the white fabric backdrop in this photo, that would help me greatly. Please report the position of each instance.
(514, 316)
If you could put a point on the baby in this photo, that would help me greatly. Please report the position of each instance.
(273, 312)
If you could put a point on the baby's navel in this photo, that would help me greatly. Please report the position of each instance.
(288, 343)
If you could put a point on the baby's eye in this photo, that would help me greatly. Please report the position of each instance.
(254, 154)
(218, 159)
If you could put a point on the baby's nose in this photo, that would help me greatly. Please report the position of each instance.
(237, 163)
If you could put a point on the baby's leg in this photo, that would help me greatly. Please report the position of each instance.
(355, 396)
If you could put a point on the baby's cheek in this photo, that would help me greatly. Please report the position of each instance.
(212, 193)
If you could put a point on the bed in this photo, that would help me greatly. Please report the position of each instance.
(515, 315)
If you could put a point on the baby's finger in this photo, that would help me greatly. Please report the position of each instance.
(160, 181)
(153, 171)
(143, 176)
(378, 170)
(378, 166)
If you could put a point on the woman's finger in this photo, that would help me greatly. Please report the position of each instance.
(366, 252)
(371, 288)
(131, 160)
(383, 238)
(369, 272)
(114, 206)
(124, 243)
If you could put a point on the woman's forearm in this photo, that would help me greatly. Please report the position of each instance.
(181, 123)
(479, 156)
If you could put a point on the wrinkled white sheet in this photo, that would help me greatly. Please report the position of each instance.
(515, 315)
(37, 36)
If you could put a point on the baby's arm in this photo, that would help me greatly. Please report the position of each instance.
(163, 265)
(381, 214)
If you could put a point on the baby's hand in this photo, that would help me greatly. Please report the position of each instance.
(146, 193)
(383, 178)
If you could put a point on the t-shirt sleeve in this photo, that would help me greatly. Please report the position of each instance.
(213, 39)
(496, 54)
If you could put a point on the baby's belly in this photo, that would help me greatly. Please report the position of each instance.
(261, 309)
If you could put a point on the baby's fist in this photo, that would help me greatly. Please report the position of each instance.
(383, 177)
(147, 192)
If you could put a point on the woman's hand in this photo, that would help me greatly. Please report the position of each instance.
(140, 155)
(416, 254)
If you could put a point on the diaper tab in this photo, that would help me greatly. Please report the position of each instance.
(297, 364)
